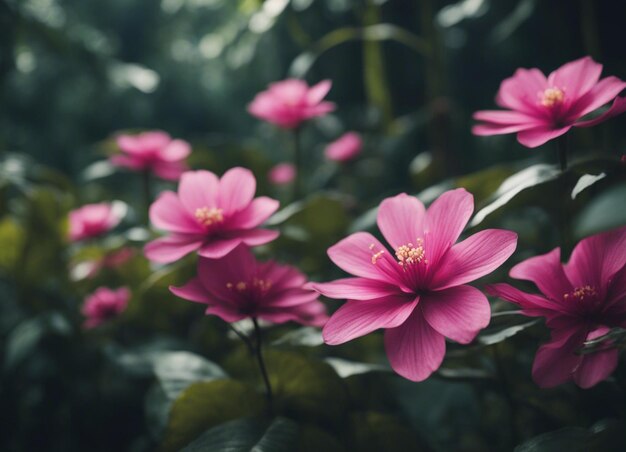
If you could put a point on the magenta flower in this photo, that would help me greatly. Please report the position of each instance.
(282, 174)
(290, 102)
(540, 109)
(153, 151)
(237, 286)
(344, 148)
(418, 291)
(210, 215)
(92, 220)
(580, 300)
(104, 304)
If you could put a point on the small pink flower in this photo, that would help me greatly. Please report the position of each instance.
(237, 286)
(290, 102)
(282, 174)
(540, 108)
(153, 151)
(210, 215)
(581, 300)
(418, 291)
(104, 304)
(93, 220)
(344, 148)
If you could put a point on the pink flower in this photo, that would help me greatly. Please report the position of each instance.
(540, 108)
(290, 102)
(282, 174)
(418, 291)
(237, 286)
(344, 148)
(210, 215)
(93, 220)
(581, 300)
(153, 151)
(104, 304)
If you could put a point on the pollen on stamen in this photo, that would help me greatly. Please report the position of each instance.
(209, 216)
(551, 97)
(581, 293)
(411, 254)
(377, 255)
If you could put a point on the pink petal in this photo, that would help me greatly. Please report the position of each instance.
(597, 366)
(521, 92)
(216, 247)
(283, 276)
(556, 361)
(604, 92)
(127, 162)
(290, 298)
(357, 318)
(355, 289)
(497, 129)
(256, 237)
(505, 118)
(616, 293)
(169, 214)
(445, 219)
(226, 313)
(192, 291)
(237, 187)
(169, 170)
(356, 254)
(259, 210)
(458, 312)
(531, 138)
(546, 271)
(171, 248)
(577, 77)
(617, 108)
(175, 150)
(319, 110)
(215, 274)
(198, 189)
(317, 92)
(476, 256)
(597, 258)
(400, 219)
(536, 304)
(415, 350)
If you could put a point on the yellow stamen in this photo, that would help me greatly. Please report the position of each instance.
(551, 97)
(410, 254)
(581, 293)
(208, 217)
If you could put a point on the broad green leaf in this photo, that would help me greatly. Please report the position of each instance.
(306, 336)
(605, 212)
(606, 436)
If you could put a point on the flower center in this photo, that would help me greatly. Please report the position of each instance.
(258, 284)
(581, 294)
(551, 97)
(208, 217)
(410, 254)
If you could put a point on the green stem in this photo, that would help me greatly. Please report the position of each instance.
(297, 163)
(259, 355)
(245, 339)
(562, 145)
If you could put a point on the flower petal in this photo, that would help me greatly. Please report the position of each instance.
(176, 150)
(357, 318)
(617, 108)
(536, 304)
(215, 274)
(169, 214)
(171, 248)
(169, 170)
(577, 77)
(520, 92)
(458, 312)
(259, 210)
(597, 366)
(414, 349)
(604, 92)
(505, 117)
(237, 187)
(546, 271)
(192, 291)
(216, 248)
(531, 138)
(445, 220)
(556, 361)
(355, 289)
(317, 92)
(476, 256)
(198, 189)
(225, 312)
(400, 219)
(256, 237)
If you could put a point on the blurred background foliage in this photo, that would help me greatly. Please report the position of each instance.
(407, 74)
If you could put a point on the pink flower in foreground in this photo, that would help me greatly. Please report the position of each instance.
(581, 300)
(417, 291)
(237, 286)
(344, 148)
(210, 215)
(153, 151)
(540, 108)
(282, 174)
(104, 304)
(290, 102)
(92, 220)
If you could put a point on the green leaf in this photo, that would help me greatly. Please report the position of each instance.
(206, 404)
(177, 370)
(493, 336)
(248, 435)
(586, 181)
(306, 336)
(373, 431)
(346, 368)
(605, 212)
(11, 243)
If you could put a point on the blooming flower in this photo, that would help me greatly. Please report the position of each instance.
(540, 109)
(344, 148)
(237, 286)
(104, 304)
(92, 220)
(580, 300)
(153, 151)
(290, 102)
(282, 174)
(418, 291)
(210, 215)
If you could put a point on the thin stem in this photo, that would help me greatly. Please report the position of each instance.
(259, 355)
(146, 183)
(563, 148)
(245, 339)
(297, 163)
